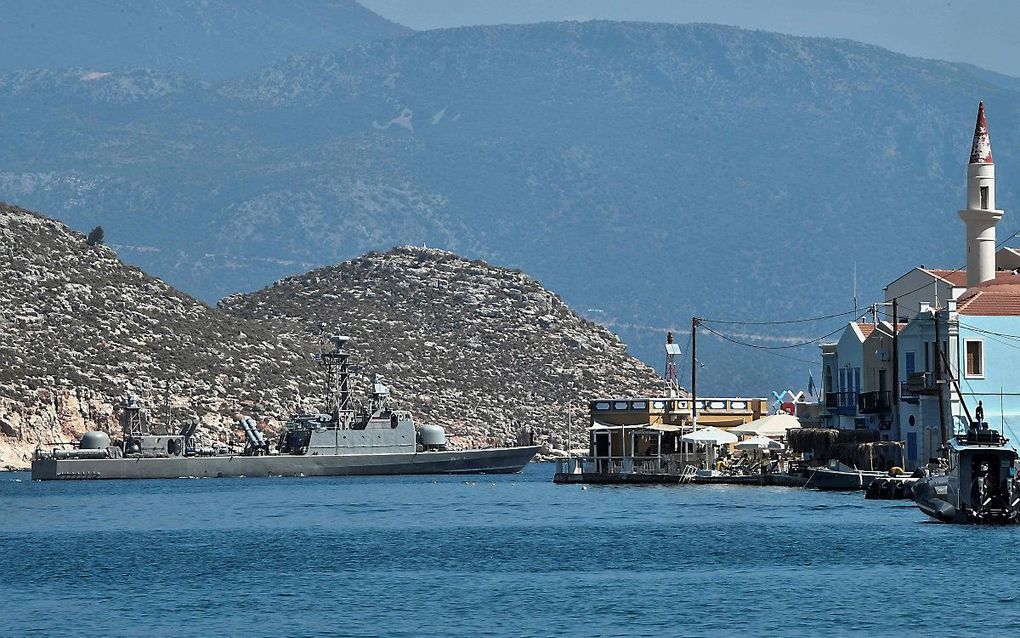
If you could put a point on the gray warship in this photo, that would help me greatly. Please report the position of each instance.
(345, 439)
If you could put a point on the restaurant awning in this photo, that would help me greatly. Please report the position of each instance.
(759, 443)
(772, 425)
(599, 425)
(664, 427)
(711, 436)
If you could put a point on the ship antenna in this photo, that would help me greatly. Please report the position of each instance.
(168, 410)
(337, 365)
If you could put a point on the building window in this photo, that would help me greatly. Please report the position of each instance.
(975, 357)
(911, 365)
(984, 197)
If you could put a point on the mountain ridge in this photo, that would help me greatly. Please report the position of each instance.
(207, 38)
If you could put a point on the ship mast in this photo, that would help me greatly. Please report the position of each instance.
(336, 364)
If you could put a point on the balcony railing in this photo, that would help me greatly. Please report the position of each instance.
(841, 403)
(920, 383)
(874, 402)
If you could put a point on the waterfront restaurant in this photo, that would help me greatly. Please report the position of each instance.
(643, 436)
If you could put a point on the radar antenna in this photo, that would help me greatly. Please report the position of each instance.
(132, 417)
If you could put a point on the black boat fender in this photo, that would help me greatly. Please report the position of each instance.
(874, 490)
(887, 490)
(929, 503)
(900, 490)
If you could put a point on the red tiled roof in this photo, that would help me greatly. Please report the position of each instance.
(999, 297)
(866, 329)
(956, 278)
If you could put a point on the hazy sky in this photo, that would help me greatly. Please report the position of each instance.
(982, 32)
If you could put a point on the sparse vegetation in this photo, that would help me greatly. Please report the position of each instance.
(95, 236)
(488, 348)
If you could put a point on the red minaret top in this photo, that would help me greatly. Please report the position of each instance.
(981, 149)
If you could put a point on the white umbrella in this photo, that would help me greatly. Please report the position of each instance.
(710, 436)
(759, 443)
(773, 425)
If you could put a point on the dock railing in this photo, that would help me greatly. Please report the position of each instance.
(667, 464)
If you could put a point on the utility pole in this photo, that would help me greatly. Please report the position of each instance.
(896, 370)
(694, 371)
(938, 377)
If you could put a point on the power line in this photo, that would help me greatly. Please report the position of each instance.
(778, 322)
(761, 347)
(683, 360)
(987, 332)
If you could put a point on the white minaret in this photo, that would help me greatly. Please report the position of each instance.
(981, 214)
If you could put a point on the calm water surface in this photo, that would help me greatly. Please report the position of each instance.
(486, 556)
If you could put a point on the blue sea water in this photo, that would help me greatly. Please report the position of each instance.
(487, 556)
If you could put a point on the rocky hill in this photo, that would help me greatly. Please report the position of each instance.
(650, 171)
(474, 347)
(79, 330)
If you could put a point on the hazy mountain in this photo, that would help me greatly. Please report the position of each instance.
(976, 31)
(646, 172)
(206, 38)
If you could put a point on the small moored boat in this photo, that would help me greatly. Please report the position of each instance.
(981, 485)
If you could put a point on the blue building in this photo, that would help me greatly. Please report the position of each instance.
(957, 342)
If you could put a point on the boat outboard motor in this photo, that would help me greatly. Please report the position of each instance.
(432, 437)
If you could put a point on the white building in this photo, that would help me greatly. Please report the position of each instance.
(946, 317)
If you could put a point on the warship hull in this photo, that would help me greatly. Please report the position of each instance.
(484, 461)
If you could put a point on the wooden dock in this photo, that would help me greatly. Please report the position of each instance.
(567, 473)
